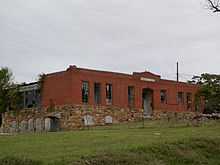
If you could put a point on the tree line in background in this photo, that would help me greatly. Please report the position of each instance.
(209, 90)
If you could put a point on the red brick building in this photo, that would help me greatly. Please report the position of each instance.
(140, 90)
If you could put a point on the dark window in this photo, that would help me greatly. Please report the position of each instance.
(97, 93)
(130, 96)
(30, 105)
(26, 102)
(34, 103)
(108, 94)
(180, 98)
(189, 101)
(38, 97)
(163, 96)
(85, 92)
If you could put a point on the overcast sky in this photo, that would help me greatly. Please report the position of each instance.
(118, 35)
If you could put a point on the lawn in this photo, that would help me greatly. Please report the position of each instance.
(159, 142)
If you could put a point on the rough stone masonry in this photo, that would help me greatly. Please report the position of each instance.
(71, 117)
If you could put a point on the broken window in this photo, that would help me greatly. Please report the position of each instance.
(189, 101)
(31, 98)
(163, 96)
(180, 98)
(130, 96)
(97, 93)
(85, 91)
(108, 94)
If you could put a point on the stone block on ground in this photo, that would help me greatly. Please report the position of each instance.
(23, 126)
(108, 120)
(39, 124)
(31, 126)
(47, 124)
(88, 120)
(13, 127)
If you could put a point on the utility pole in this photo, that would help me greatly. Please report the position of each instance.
(177, 71)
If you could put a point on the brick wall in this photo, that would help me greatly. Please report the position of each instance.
(65, 88)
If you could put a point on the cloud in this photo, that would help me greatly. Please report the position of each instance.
(118, 35)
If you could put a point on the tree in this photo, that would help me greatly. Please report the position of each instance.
(9, 93)
(214, 5)
(41, 79)
(209, 90)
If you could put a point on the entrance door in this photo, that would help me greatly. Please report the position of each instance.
(147, 101)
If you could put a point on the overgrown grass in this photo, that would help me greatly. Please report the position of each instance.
(157, 143)
(192, 151)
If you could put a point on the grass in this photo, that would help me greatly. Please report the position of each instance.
(157, 143)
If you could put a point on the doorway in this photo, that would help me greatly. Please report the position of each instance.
(97, 93)
(147, 101)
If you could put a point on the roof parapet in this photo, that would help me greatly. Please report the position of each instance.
(147, 76)
(71, 67)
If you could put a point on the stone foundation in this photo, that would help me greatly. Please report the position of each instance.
(72, 117)
(66, 118)
(166, 115)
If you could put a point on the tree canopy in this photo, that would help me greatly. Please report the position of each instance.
(9, 94)
(210, 90)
